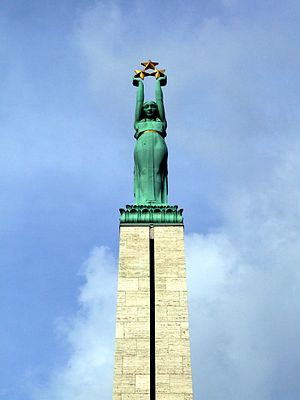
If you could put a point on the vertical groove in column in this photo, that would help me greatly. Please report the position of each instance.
(152, 315)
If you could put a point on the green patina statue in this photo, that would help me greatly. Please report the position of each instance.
(150, 157)
(150, 153)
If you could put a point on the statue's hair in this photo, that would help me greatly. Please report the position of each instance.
(149, 102)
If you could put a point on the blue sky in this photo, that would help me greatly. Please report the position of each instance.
(232, 105)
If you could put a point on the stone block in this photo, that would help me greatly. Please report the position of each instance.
(162, 346)
(169, 364)
(125, 314)
(128, 284)
(181, 383)
(169, 396)
(160, 284)
(162, 383)
(179, 346)
(118, 367)
(124, 383)
(176, 284)
(139, 299)
(136, 365)
(177, 313)
(143, 314)
(137, 330)
(121, 299)
(164, 298)
(166, 329)
(125, 347)
(183, 299)
(142, 383)
(161, 313)
(144, 283)
(186, 363)
(119, 330)
(135, 396)
(184, 330)
(143, 347)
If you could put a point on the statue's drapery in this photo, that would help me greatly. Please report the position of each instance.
(150, 169)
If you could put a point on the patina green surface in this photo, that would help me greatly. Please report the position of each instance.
(150, 153)
(151, 214)
(150, 156)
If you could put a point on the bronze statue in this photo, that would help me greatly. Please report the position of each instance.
(151, 152)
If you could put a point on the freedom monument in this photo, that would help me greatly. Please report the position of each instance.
(152, 344)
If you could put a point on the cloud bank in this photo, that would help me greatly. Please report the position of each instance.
(89, 335)
(244, 312)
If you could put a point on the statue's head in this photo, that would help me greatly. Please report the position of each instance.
(150, 109)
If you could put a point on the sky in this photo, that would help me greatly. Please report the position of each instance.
(66, 167)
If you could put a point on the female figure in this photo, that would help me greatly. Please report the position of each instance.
(150, 153)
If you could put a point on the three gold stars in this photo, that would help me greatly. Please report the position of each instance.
(149, 65)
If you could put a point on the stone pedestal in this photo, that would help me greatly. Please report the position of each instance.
(152, 350)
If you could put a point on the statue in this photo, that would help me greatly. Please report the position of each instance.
(150, 157)
(151, 152)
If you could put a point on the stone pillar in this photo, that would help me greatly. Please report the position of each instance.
(172, 353)
(139, 310)
(132, 343)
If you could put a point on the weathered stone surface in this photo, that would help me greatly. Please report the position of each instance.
(167, 363)
(143, 347)
(172, 346)
(126, 347)
(140, 297)
(124, 383)
(132, 346)
(172, 336)
(128, 284)
(181, 383)
(163, 383)
(135, 396)
(135, 364)
(169, 396)
(142, 383)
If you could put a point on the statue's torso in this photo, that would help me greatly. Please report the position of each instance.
(145, 125)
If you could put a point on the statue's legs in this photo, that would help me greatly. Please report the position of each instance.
(150, 157)
(160, 168)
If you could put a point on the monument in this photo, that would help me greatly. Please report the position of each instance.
(152, 345)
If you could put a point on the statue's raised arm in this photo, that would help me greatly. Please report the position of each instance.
(162, 81)
(139, 100)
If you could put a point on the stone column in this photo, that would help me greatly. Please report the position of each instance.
(132, 343)
(172, 353)
(152, 294)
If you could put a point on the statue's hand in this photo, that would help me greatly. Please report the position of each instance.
(162, 80)
(136, 81)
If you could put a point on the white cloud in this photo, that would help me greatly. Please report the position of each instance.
(88, 372)
(244, 282)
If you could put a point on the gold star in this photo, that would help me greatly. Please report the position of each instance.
(159, 72)
(149, 64)
(139, 74)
